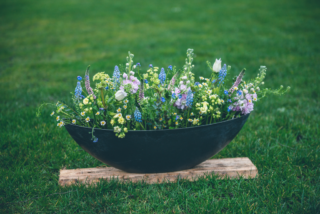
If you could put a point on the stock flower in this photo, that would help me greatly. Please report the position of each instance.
(103, 123)
(117, 129)
(83, 113)
(217, 65)
(121, 120)
(52, 113)
(85, 101)
(120, 95)
(58, 118)
(128, 117)
(88, 119)
(74, 121)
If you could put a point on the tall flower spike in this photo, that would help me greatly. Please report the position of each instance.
(141, 92)
(78, 91)
(87, 83)
(189, 99)
(116, 77)
(162, 76)
(238, 81)
(172, 81)
(137, 115)
(222, 74)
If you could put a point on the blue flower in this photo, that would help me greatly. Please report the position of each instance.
(222, 74)
(95, 139)
(116, 76)
(137, 115)
(170, 67)
(107, 88)
(146, 81)
(229, 100)
(162, 99)
(138, 64)
(213, 81)
(177, 117)
(196, 83)
(180, 96)
(78, 91)
(226, 92)
(150, 66)
(229, 108)
(173, 95)
(162, 76)
(239, 92)
(189, 99)
(79, 78)
(101, 109)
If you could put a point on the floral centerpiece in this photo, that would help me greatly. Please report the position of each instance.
(160, 98)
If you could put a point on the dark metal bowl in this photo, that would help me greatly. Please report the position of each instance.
(155, 151)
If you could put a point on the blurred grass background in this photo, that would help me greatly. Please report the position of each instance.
(45, 44)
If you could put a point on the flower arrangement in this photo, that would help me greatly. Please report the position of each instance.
(158, 99)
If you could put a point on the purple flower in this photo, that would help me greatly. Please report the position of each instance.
(138, 64)
(79, 78)
(87, 84)
(177, 117)
(101, 109)
(229, 100)
(238, 81)
(133, 81)
(150, 66)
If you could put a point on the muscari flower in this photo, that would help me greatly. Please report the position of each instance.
(222, 74)
(78, 91)
(189, 99)
(137, 115)
(162, 76)
(116, 76)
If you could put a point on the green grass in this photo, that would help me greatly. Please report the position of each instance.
(44, 45)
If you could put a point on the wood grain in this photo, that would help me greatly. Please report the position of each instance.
(233, 168)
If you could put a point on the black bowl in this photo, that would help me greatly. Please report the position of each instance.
(155, 151)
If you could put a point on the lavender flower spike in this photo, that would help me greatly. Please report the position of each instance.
(87, 83)
(238, 81)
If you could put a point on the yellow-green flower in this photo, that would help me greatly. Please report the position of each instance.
(121, 120)
(85, 101)
(125, 130)
(112, 122)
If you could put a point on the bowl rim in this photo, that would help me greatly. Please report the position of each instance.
(212, 124)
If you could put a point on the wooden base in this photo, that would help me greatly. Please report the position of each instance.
(228, 167)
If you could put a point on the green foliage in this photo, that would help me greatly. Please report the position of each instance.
(44, 45)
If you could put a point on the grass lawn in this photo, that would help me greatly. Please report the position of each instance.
(45, 44)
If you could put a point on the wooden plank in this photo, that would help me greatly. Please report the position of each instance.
(233, 168)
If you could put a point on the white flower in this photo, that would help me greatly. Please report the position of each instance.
(258, 89)
(134, 66)
(85, 101)
(188, 82)
(52, 113)
(117, 129)
(217, 65)
(98, 113)
(83, 113)
(132, 73)
(120, 95)
(184, 77)
(128, 117)
(58, 118)
(245, 91)
(181, 82)
(74, 121)
(87, 119)
(103, 123)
